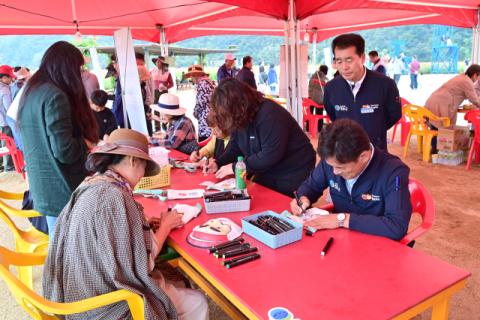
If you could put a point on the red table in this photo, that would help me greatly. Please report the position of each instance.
(361, 277)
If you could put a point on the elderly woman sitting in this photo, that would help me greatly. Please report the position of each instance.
(104, 243)
(180, 134)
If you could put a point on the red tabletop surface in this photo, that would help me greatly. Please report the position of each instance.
(361, 276)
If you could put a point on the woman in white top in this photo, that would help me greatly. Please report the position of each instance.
(162, 81)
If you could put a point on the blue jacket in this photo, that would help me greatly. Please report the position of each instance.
(375, 206)
(224, 73)
(246, 76)
(272, 76)
(376, 107)
(117, 108)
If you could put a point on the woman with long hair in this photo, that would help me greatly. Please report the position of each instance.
(58, 129)
(274, 147)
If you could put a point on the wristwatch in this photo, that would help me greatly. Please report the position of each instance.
(341, 219)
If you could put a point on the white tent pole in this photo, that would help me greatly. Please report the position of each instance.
(287, 80)
(96, 67)
(315, 49)
(293, 63)
(299, 75)
(166, 50)
(474, 45)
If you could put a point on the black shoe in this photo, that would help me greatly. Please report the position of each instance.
(2, 168)
(9, 169)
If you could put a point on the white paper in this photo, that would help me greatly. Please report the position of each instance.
(185, 194)
(207, 183)
(310, 214)
(229, 184)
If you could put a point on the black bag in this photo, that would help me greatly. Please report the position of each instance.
(188, 147)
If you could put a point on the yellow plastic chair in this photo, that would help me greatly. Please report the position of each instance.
(277, 101)
(416, 115)
(37, 306)
(27, 241)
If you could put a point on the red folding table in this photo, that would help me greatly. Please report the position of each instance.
(361, 277)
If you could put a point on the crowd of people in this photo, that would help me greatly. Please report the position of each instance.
(81, 168)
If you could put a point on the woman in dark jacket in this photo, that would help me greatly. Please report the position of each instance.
(274, 147)
(58, 129)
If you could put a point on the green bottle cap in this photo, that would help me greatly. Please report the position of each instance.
(240, 158)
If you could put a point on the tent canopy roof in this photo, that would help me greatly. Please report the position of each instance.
(184, 19)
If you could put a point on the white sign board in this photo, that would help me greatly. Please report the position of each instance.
(303, 71)
(96, 67)
(129, 80)
(328, 59)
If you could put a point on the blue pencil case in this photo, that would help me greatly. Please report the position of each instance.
(273, 241)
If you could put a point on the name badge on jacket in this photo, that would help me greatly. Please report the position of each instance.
(366, 108)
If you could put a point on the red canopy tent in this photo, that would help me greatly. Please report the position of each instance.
(162, 20)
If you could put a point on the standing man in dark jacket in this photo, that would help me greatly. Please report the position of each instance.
(368, 97)
(369, 187)
(246, 75)
(226, 70)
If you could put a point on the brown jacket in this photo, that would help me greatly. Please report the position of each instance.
(444, 101)
(315, 90)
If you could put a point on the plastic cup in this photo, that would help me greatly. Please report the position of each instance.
(434, 158)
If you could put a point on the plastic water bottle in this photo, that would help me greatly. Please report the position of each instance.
(241, 174)
(440, 157)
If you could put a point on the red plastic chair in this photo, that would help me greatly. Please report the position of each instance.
(205, 142)
(312, 118)
(405, 126)
(16, 154)
(422, 203)
(474, 118)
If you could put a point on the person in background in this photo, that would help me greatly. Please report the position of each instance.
(90, 80)
(146, 87)
(368, 97)
(414, 70)
(245, 74)
(443, 41)
(181, 130)
(215, 147)
(23, 74)
(117, 108)
(467, 61)
(105, 119)
(6, 76)
(272, 77)
(262, 79)
(140, 59)
(316, 90)
(227, 69)
(274, 147)
(104, 243)
(336, 74)
(449, 41)
(235, 69)
(378, 64)
(58, 136)
(162, 81)
(445, 101)
(368, 186)
(204, 87)
(398, 68)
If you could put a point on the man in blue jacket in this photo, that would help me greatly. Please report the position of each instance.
(226, 70)
(368, 186)
(368, 97)
(245, 74)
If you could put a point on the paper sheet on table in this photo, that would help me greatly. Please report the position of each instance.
(207, 183)
(188, 212)
(185, 194)
(229, 184)
(310, 214)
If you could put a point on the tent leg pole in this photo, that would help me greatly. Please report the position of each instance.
(293, 64)
(287, 80)
(315, 49)
(299, 75)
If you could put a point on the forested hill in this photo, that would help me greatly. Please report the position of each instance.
(28, 50)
